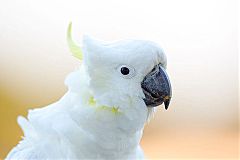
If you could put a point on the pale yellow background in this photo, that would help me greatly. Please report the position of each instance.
(198, 36)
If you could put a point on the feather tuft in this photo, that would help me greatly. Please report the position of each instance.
(74, 48)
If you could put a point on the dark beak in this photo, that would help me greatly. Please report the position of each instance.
(157, 88)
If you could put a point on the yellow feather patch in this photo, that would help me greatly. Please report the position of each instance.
(114, 110)
(76, 50)
(92, 102)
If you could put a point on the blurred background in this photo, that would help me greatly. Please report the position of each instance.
(198, 36)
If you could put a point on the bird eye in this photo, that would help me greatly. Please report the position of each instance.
(126, 71)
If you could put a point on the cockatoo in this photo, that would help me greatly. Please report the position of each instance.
(109, 100)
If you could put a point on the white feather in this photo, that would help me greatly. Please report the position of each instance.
(74, 128)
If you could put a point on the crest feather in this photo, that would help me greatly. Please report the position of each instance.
(74, 48)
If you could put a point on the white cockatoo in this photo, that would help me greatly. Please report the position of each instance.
(109, 99)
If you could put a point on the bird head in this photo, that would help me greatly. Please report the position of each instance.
(124, 70)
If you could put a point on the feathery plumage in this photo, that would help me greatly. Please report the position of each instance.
(103, 113)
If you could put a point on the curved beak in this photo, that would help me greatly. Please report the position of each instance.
(157, 88)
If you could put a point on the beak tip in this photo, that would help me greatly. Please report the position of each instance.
(166, 103)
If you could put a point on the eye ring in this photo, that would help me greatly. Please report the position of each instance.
(126, 71)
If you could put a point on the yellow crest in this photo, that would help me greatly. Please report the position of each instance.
(76, 50)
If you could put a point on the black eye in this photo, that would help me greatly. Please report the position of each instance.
(125, 71)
